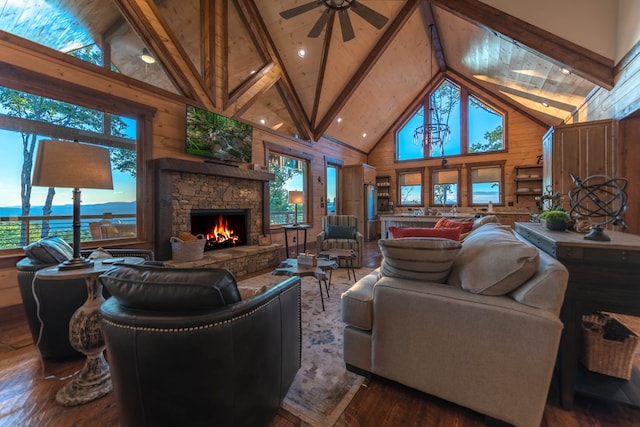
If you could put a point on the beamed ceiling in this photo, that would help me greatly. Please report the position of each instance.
(240, 58)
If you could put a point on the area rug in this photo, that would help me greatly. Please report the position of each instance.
(323, 388)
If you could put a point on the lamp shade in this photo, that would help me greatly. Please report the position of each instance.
(296, 196)
(72, 165)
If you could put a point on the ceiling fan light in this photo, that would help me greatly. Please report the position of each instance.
(146, 57)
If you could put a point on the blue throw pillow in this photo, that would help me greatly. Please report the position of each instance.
(340, 232)
(50, 250)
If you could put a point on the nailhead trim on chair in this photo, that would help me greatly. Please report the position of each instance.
(194, 328)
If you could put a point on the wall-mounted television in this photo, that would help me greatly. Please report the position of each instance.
(217, 137)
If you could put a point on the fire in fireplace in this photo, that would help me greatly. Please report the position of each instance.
(223, 228)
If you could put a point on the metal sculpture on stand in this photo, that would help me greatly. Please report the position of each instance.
(599, 196)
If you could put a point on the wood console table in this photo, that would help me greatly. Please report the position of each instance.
(603, 276)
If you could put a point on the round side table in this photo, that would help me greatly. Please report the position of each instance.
(85, 332)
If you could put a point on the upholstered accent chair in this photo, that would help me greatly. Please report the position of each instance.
(49, 304)
(341, 232)
(184, 349)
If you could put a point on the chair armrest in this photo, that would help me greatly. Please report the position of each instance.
(319, 239)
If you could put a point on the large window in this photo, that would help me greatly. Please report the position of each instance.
(486, 184)
(474, 125)
(333, 169)
(445, 188)
(410, 187)
(30, 213)
(291, 175)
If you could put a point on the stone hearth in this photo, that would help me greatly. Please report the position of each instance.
(183, 185)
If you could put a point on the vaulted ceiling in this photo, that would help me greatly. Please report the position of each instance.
(241, 58)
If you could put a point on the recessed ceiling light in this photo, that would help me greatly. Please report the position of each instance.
(302, 53)
(263, 121)
(339, 120)
(146, 56)
(565, 71)
(252, 72)
(364, 135)
(544, 104)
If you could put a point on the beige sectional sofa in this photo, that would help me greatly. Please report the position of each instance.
(475, 323)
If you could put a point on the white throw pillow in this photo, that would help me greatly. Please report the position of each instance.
(493, 262)
(418, 258)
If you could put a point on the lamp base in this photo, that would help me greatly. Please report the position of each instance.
(597, 234)
(76, 263)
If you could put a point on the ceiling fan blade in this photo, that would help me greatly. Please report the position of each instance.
(320, 23)
(290, 13)
(369, 15)
(345, 25)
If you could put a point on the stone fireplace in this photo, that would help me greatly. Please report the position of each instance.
(184, 186)
(223, 228)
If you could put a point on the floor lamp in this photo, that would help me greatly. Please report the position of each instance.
(72, 165)
(296, 197)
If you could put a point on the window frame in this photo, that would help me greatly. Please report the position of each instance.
(435, 169)
(465, 93)
(337, 164)
(471, 166)
(399, 174)
(307, 212)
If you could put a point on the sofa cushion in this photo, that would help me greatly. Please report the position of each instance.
(151, 287)
(493, 261)
(357, 302)
(419, 258)
(442, 233)
(340, 232)
(50, 250)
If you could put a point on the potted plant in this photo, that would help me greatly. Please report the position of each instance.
(555, 219)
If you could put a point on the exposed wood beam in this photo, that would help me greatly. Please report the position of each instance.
(366, 66)
(260, 32)
(434, 37)
(323, 68)
(208, 29)
(260, 83)
(583, 62)
(146, 20)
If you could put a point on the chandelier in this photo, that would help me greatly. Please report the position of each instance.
(433, 134)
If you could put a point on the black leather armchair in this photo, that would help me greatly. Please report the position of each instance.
(57, 301)
(185, 350)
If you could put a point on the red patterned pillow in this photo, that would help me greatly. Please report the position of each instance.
(442, 233)
(464, 226)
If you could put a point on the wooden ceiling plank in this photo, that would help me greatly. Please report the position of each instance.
(259, 31)
(323, 68)
(148, 23)
(360, 74)
(583, 62)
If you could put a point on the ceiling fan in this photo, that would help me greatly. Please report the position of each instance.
(340, 6)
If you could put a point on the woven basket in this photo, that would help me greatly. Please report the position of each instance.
(609, 345)
(187, 250)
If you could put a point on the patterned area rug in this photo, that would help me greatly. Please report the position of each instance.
(323, 387)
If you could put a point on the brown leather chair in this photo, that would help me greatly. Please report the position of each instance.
(185, 350)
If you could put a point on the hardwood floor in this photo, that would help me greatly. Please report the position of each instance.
(28, 388)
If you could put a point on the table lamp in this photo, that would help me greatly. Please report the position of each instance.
(72, 165)
(296, 197)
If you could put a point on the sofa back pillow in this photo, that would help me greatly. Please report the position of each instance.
(463, 226)
(418, 258)
(442, 233)
(493, 261)
(158, 288)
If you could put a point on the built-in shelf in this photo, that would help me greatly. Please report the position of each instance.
(528, 180)
(383, 186)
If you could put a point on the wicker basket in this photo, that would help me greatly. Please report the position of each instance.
(187, 250)
(609, 345)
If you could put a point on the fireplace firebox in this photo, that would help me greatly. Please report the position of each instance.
(223, 228)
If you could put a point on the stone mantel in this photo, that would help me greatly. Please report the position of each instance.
(165, 172)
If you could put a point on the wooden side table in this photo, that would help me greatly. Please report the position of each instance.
(338, 254)
(603, 276)
(290, 267)
(85, 333)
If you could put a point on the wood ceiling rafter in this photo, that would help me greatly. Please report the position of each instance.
(286, 89)
(366, 66)
(323, 68)
(583, 62)
(208, 39)
(434, 37)
(148, 23)
(267, 77)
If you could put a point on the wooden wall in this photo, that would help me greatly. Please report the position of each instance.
(524, 141)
